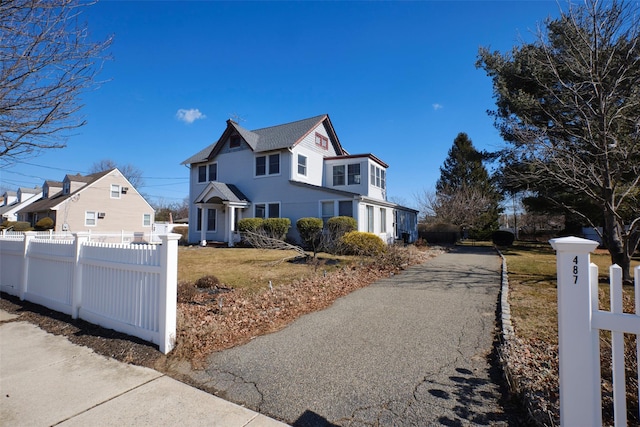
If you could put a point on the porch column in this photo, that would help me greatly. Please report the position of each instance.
(203, 226)
(232, 220)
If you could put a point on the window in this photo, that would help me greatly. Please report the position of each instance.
(274, 164)
(274, 210)
(353, 174)
(338, 175)
(66, 188)
(370, 219)
(322, 141)
(146, 220)
(383, 220)
(213, 172)
(115, 191)
(327, 211)
(267, 210)
(271, 168)
(235, 141)
(378, 177)
(211, 219)
(90, 218)
(199, 219)
(302, 165)
(345, 208)
(202, 174)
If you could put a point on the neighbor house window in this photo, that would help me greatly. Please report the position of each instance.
(211, 219)
(353, 174)
(235, 141)
(383, 220)
(146, 220)
(327, 211)
(302, 165)
(66, 188)
(202, 174)
(213, 172)
(90, 218)
(272, 167)
(115, 191)
(338, 175)
(370, 219)
(322, 141)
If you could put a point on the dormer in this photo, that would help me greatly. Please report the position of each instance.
(51, 188)
(72, 183)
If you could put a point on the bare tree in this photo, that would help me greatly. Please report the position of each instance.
(46, 61)
(132, 173)
(569, 105)
(463, 206)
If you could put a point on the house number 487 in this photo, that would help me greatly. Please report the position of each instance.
(575, 270)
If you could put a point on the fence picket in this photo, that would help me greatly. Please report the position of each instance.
(617, 349)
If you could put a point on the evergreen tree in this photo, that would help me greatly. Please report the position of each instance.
(465, 194)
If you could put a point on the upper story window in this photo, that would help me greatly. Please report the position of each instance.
(302, 165)
(268, 165)
(353, 173)
(322, 141)
(234, 141)
(208, 172)
(338, 175)
(115, 191)
(378, 177)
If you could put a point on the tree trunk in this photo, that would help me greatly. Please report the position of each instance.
(613, 238)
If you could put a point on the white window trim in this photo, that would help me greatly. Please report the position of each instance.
(111, 190)
(95, 218)
(267, 165)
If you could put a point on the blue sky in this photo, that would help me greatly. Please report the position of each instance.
(398, 80)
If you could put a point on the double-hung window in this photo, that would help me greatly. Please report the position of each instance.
(202, 174)
(327, 211)
(211, 219)
(338, 175)
(353, 174)
(115, 191)
(268, 165)
(212, 171)
(90, 218)
(370, 219)
(146, 220)
(267, 210)
(302, 165)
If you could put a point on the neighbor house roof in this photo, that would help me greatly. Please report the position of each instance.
(270, 138)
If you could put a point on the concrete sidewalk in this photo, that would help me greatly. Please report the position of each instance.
(46, 380)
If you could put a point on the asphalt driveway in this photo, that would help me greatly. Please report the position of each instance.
(412, 349)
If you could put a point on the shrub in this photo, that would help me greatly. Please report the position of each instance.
(276, 228)
(341, 225)
(207, 282)
(310, 230)
(503, 238)
(439, 233)
(186, 292)
(22, 226)
(250, 224)
(183, 231)
(45, 223)
(361, 243)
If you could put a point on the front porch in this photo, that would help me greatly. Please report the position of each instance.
(220, 206)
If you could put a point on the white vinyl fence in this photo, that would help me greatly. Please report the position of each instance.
(579, 324)
(131, 288)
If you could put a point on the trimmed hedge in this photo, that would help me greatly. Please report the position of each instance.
(45, 223)
(503, 238)
(250, 224)
(341, 225)
(361, 243)
(276, 228)
(310, 230)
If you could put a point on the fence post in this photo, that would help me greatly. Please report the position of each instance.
(168, 291)
(80, 238)
(578, 343)
(24, 277)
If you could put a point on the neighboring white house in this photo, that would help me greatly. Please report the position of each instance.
(16, 200)
(294, 170)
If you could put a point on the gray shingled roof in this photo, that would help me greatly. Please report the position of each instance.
(264, 139)
(227, 192)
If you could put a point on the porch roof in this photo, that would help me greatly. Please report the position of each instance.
(225, 192)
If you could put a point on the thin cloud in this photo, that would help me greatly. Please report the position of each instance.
(189, 116)
(437, 107)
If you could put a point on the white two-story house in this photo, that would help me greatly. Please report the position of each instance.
(294, 170)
